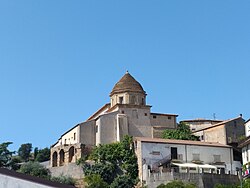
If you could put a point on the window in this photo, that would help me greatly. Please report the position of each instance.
(196, 156)
(154, 117)
(169, 117)
(133, 100)
(173, 153)
(74, 136)
(65, 141)
(121, 100)
(96, 128)
(122, 111)
(142, 101)
(217, 158)
(145, 114)
(155, 153)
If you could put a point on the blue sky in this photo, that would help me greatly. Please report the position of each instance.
(59, 60)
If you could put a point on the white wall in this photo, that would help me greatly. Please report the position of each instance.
(206, 153)
(71, 137)
(12, 182)
(247, 128)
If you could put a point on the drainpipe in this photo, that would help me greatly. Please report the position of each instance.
(186, 152)
(231, 160)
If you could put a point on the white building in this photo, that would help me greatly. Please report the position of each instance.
(163, 155)
(126, 114)
(245, 145)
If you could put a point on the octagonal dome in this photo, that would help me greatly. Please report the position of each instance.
(127, 84)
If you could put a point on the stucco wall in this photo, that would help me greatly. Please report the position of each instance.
(87, 133)
(247, 129)
(216, 134)
(235, 129)
(12, 182)
(149, 153)
(106, 129)
(71, 137)
(168, 121)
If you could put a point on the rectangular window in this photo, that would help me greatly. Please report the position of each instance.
(65, 141)
(169, 117)
(174, 153)
(155, 153)
(196, 156)
(217, 158)
(74, 136)
(154, 117)
(121, 100)
(96, 128)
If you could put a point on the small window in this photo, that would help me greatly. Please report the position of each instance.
(217, 158)
(202, 137)
(145, 114)
(154, 117)
(169, 117)
(196, 156)
(65, 141)
(142, 101)
(122, 111)
(74, 136)
(96, 128)
(121, 100)
(155, 153)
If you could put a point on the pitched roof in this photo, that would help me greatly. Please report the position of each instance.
(34, 179)
(127, 84)
(218, 124)
(182, 142)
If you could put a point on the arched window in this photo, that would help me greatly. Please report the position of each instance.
(54, 159)
(61, 154)
(71, 153)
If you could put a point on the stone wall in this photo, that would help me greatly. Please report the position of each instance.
(70, 169)
(200, 180)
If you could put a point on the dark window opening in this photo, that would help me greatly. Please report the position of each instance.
(154, 117)
(121, 100)
(169, 117)
(74, 136)
(174, 153)
(146, 114)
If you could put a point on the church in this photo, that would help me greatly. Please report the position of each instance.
(127, 114)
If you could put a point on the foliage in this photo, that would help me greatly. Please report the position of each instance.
(35, 169)
(114, 162)
(64, 180)
(6, 155)
(24, 151)
(42, 155)
(15, 163)
(182, 132)
(95, 181)
(245, 184)
(177, 184)
(122, 181)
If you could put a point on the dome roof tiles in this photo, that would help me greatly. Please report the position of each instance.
(127, 84)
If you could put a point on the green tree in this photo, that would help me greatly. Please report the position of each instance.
(115, 162)
(24, 151)
(95, 181)
(6, 155)
(182, 132)
(177, 184)
(42, 155)
(35, 169)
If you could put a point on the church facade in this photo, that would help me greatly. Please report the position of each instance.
(126, 114)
